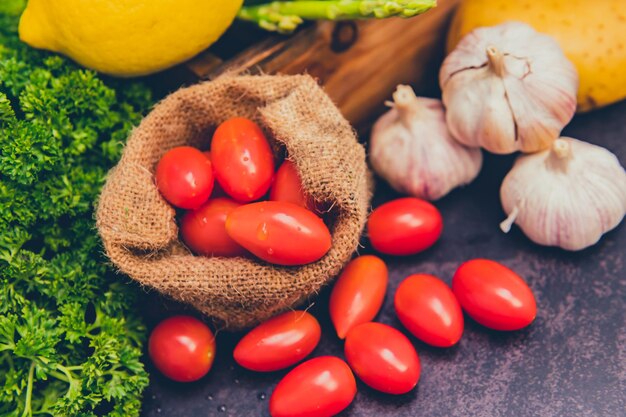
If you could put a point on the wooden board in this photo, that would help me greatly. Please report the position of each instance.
(359, 63)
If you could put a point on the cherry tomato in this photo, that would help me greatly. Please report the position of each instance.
(383, 358)
(243, 159)
(204, 231)
(279, 342)
(404, 226)
(320, 387)
(428, 309)
(358, 294)
(182, 348)
(280, 233)
(493, 295)
(184, 177)
(287, 187)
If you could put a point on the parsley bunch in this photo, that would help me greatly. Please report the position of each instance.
(70, 342)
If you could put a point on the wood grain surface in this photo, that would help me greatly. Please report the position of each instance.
(359, 63)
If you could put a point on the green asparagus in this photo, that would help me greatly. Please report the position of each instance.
(285, 16)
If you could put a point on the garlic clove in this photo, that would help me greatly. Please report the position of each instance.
(508, 88)
(412, 149)
(567, 196)
(465, 112)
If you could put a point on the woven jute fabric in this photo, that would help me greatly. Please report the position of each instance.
(138, 227)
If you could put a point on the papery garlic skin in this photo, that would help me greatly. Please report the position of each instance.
(412, 149)
(508, 88)
(567, 196)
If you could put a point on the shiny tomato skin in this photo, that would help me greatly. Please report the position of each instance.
(319, 387)
(182, 348)
(278, 343)
(404, 226)
(383, 358)
(287, 186)
(426, 306)
(204, 231)
(358, 293)
(184, 176)
(243, 159)
(494, 295)
(278, 232)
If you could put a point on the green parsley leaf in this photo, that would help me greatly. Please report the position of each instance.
(70, 339)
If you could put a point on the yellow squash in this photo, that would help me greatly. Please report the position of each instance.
(126, 37)
(591, 33)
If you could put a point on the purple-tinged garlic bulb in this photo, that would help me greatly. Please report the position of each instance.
(508, 88)
(412, 149)
(566, 196)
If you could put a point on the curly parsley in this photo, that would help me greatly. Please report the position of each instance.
(70, 342)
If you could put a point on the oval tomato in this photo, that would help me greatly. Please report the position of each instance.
(358, 294)
(204, 230)
(182, 348)
(279, 342)
(404, 226)
(383, 358)
(243, 159)
(184, 177)
(493, 295)
(320, 387)
(280, 233)
(287, 186)
(427, 307)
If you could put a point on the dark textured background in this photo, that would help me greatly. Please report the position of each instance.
(570, 362)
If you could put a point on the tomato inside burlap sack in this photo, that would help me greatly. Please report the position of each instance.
(138, 227)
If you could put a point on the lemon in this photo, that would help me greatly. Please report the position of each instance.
(126, 37)
(591, 34)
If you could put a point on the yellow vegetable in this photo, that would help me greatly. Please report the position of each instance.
(591, 33)
(126, 37)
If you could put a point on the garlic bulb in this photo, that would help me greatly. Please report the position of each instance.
(568, 196)
(412, 149)
(508, 88)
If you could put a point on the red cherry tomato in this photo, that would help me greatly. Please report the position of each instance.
(320, 387)
(204, 231)
(279, 342)
(184, 177)
(493, 295)
(280, 233)
(287, 187)
(182, 348)
(358, 294)
(383, 358)
(428, 309)
(404, 226)
(243, 159)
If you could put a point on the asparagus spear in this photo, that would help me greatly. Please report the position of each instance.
(285, 16)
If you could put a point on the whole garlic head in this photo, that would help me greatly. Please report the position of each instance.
(413, 150)
(508, 88)
(567, 196)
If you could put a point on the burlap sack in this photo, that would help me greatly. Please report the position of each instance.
(138, 227)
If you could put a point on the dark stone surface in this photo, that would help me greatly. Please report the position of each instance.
(570, 362)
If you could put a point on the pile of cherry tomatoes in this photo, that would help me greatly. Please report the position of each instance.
(227, 219)
(183, 347)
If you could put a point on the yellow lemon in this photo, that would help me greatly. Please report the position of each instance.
(591, 33)
(126, 37)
